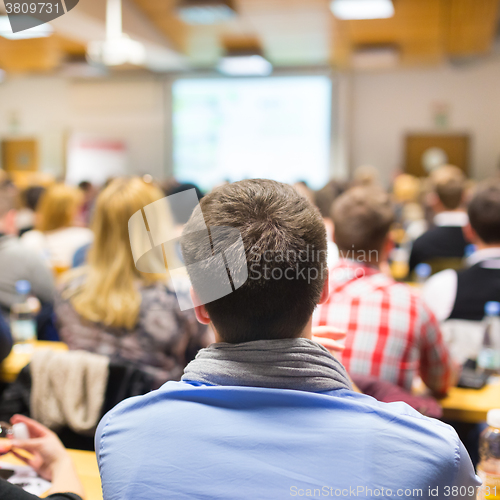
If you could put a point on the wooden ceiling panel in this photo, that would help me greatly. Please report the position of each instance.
(471, 26)
(37, 54)
(299, 32)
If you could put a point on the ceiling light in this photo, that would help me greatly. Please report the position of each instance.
(362, 9)
(374, 57)
(118, 48)
(245, 65)
(116, 52)
(205, 11)
(40, 31)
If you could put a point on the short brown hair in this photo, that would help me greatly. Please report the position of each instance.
(449, 185)
(325, 197)
(281, 231)
(484, 211)
(362, 218)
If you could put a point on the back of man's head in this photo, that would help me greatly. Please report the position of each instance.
(484, 211)
(284, 240)
(449, 184)
(325, 197)
(362, 218)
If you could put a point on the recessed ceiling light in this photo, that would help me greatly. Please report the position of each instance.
(245, 65)
(362, 9)
(40, 31)
(375, 57)
(205, 11)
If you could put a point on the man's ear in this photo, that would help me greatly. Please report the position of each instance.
(469, 234)
(388, 246)
(200, 310)
(325, 293)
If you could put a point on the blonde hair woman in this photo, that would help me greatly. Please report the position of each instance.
(55, 235)
(109, 307)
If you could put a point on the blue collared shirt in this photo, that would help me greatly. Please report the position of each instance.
(191, 441)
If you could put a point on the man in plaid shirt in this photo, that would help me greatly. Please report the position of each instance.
(391, 334)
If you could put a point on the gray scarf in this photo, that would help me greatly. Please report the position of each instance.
(298, 364)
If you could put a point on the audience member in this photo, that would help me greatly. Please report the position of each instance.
(55, 236)
(391, 334)
(25, 219)
(110, 308)
(324, 199)
(266, 412)
(445, 240)
(49, 459)
(181, 209)
(16, 261)
(90, 193)
(463, 294)
(366, 175)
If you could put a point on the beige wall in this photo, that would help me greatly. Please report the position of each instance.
(51, 108)
(375, 111)
(386, 106)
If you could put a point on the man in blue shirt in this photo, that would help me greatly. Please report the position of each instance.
(265, 412)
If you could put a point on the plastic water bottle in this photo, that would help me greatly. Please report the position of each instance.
(422, 272)
(469, 250)
(488, 468)
(16, 431)
(23, 314)
(488, 359)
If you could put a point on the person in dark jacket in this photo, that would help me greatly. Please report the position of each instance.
(445, 240)
(463, 294)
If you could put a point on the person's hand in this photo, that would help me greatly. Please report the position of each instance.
(5, 446)
(47, 451)
(330, 338)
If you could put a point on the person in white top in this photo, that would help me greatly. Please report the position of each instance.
(55, 236)
(463, 294)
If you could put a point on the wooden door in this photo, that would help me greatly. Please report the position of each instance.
(455, 147)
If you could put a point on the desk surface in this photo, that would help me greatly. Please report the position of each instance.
(471, 405)
(21, 355)
(86, 466)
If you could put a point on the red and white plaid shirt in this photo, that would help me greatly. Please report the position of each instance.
(391, 334)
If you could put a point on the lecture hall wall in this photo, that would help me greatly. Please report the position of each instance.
(383, 107)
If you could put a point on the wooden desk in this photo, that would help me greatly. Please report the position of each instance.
(470, 405)
(86, 466)
(21, 355)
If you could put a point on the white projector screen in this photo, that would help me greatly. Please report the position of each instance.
(232, 129)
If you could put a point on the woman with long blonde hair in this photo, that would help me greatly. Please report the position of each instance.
(109, 307)
(56, 235)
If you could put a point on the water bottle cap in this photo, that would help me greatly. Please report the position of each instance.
(423, 270)
(492, 308)
(23, 287)
(493, 418)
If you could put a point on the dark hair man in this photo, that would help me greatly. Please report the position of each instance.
(265, 412)
(445, 239)
(463, 294)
